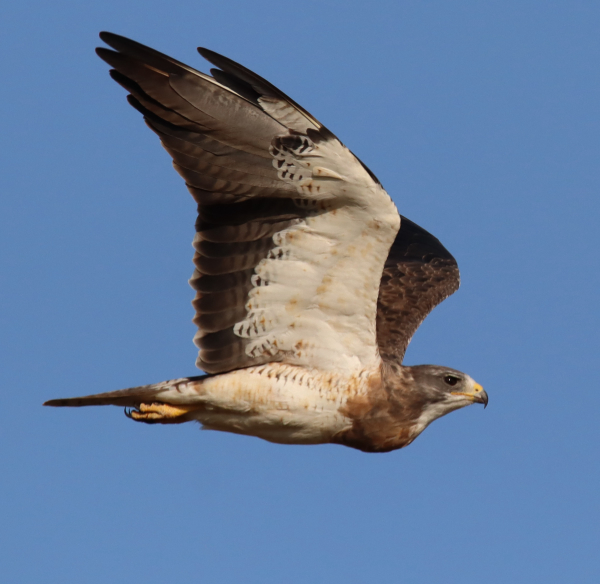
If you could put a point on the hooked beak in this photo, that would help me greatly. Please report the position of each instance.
(478, 395)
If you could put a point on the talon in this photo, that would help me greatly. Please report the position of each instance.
(157, 413)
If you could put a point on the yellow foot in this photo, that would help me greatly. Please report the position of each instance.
(158, 413)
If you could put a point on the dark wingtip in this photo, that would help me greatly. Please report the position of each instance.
(109, 37)
(206, 53)
(104, 54)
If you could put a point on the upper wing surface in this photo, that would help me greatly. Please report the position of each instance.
(419, 273)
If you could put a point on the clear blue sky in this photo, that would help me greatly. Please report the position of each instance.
(481, 119)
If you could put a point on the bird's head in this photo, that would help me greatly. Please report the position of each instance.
(444, 390)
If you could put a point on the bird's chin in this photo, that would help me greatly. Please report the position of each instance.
(456, 402)
(479, 397)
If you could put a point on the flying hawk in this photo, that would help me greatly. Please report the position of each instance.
(309, 284)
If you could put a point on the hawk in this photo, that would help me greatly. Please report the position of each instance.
(309, 284)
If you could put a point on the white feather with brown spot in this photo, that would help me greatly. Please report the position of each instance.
(316, 299)
(277, 402)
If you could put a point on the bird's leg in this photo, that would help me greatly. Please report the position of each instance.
(159, 413)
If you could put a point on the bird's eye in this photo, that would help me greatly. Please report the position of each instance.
(451, 380)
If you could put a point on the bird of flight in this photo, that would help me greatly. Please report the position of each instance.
(309, 284)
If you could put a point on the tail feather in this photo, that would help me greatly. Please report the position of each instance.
(173, 391)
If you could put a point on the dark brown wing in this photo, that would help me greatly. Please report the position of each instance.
(245, 151)
(419, 273)
(228, 170)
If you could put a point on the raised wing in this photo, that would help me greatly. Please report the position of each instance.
(419, 273)
(292, 231)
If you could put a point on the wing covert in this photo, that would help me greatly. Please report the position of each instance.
(419, 273)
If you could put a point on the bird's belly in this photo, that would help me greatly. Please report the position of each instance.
(280, 403)
(289, 427)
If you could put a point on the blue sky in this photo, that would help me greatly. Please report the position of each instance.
(482, 121)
